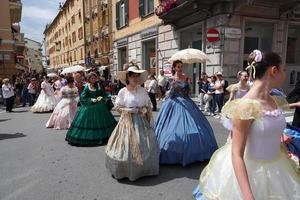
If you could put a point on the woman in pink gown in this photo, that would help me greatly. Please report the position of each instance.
(65, 110)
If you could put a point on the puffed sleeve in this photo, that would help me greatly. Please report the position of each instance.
(282, 103)
(43, 85)
(85, 98)
(232, 88)
(244, 109)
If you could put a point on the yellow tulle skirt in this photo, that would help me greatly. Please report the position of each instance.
(269, 179)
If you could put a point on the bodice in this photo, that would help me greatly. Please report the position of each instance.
(264, 138)
(130, 99)
(179, 88)
(69, 93)
(240, 93)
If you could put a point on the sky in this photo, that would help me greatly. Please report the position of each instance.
(35, 15)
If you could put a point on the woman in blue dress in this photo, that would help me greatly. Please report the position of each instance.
(184, 134)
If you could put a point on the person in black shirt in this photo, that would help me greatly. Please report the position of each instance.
(203, 87)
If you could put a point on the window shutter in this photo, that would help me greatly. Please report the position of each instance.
(107, 17)
(141, 8)
(126, 12)
(118, 15)
(100, 20)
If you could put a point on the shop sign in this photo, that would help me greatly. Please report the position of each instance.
(122, 42)
(149, 33)
(234, 33)
(213, 35)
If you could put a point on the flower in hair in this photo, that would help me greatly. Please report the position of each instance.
(258, 55)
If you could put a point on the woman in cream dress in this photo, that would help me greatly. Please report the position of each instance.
(132, 150)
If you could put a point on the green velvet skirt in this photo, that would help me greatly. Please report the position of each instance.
(92, 125)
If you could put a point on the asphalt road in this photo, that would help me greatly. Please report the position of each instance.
(37, 164)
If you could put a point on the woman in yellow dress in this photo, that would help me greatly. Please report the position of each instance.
(254, 164)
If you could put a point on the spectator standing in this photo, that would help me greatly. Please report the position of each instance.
(209, 97)
(203, 87)
(32, 91)
(8, 94)
(25, 83)
(152, 89)
(18, 90)
(219, 93)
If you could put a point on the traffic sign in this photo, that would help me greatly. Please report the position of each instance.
(212, 35)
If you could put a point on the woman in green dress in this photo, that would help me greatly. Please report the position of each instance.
(93, 122)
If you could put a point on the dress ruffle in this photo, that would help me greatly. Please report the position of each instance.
(44, 103)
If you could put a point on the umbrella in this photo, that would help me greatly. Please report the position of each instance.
(190, 56)
(73, 69)
(52, 75)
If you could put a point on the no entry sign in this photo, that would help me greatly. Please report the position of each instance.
(212, 35)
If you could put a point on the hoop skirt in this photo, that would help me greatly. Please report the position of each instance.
(93, 122)
(271, 173)
(132, 150)
(65, 110)
(44, 103)
(184, 134)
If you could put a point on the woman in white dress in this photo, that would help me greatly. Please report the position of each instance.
(239, 89)
(254, 164)
(46, 101)
(132, 150)
(65, 110)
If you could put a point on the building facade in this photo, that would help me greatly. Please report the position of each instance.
(240, 27)
(98, 32)
(33, 56)
(64, 37)
(136, 31)
(12, 43)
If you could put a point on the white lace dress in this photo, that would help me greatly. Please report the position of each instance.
(46, 102)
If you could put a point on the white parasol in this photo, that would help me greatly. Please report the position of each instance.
(190, 56)
(73, 69)
(52, 75)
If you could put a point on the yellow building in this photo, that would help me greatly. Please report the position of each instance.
(136, 29)
(12, 43)
(64, 37)
(98, 32)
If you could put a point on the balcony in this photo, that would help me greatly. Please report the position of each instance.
(19, 40)
(15, 10)
(181, 13)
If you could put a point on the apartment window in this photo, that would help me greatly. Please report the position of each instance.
(81, 53)
(73, 19)
(122, 14)
(79, 15)
(146, 7)
(80, 33)
(74, 37)
(293, 41)
(74, 55)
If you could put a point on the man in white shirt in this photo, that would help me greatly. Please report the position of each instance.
(8, 94)
(152, 88)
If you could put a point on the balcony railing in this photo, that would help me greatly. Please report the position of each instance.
(15, 10)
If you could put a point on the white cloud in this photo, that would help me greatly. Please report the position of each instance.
(38, 13)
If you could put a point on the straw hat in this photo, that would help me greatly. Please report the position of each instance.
(135, 69)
